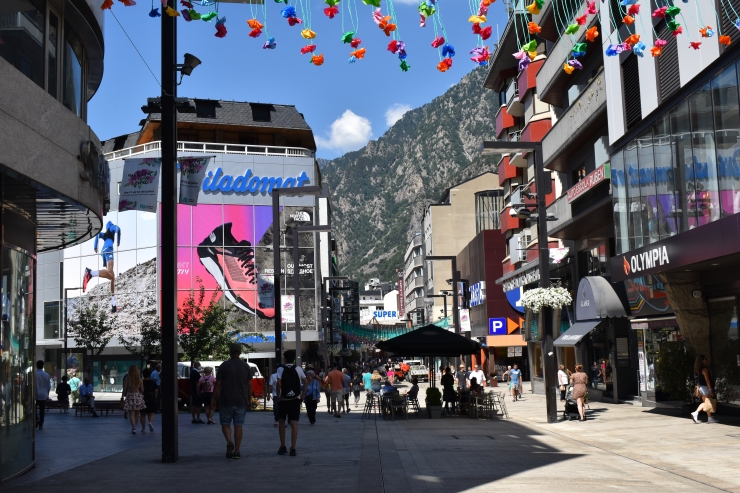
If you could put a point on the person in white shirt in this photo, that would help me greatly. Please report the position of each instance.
(479, 376)
(562, 381)
(43, 386)
(272, 386)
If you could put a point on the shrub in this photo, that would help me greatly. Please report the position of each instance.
(434, 397)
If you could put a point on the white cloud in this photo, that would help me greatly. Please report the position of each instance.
(349, 132)
(395, 113)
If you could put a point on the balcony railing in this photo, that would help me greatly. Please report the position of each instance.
(204, 147)
(513, 106)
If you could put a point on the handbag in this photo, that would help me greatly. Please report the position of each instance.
(121, 404)
(562, 388)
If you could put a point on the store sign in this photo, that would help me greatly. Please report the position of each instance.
(385, 314)
(650, 259)
(514, 297)
(401, 297)
(477, 293)
(597, 176)
(522, 279)
(249, 183)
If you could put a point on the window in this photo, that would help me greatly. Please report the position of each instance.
(668, 77)
(619, 195)
(631, 84)
(703, 168)
(727, 126)
(648, 202)
(22, 27)
(51, 320)
(634, 203)
(579, 174)
(72, 81)
(205, 109)
(261, 112)
(667, 201)
(488, 207)
(594, 260)
(52, 57)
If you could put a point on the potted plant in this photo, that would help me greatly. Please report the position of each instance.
(434, 402)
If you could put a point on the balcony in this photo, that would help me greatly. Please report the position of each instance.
(585, 118)
(590, 213)
(513, 106)
(502, 64)
(213, 148)
(503, 120)
(415, 304)
(506, 171)
(414, 243)
(528, 78)
(510, 222)
(416, 283)
(536, 130)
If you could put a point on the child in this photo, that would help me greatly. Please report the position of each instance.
(63, 393)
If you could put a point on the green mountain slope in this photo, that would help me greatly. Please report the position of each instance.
(380, 191)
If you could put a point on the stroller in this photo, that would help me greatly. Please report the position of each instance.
(571, 406)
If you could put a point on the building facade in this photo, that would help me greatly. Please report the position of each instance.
(53, 183)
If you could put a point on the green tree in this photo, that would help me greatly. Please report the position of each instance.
(148, 342)
(91, 329)
(205, 329)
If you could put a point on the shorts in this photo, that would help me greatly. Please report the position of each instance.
(704, 390)
(106, 257)
(336, 396)
(290, 409)
(205, 398)
(232, 413)
(195, 400)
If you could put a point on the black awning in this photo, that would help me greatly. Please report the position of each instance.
(577, 331)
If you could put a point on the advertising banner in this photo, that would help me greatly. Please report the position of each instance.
(288, 313)
(192, 172)
(465, 320)
(139, 185)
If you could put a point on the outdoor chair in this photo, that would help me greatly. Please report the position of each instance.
(372, 405)
(498, 403)
(393, 404)
(413, 403)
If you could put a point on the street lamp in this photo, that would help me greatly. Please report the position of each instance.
(324, 308)
(550, 365)
(430, 299)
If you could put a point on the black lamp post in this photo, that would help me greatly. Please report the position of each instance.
(548, 354)
(326, 308)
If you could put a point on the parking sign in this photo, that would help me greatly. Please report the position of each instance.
(497, 327)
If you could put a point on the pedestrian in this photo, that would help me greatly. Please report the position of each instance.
(195, 403)
(133, 389)
(63, 393)
(579, 381)
(327, 390)
(206, 384)
(272, 388)
(335, 379)
(562, 381)
(43, 387)
(462, 378)
(150, 400)
(289, 380)
(515, 382)
(233, 393)
(346, 387)
(595, 375)
(479, 376)
(157, 379)
(86, 396)
(356, 387)
(74, 388)
(704, 389)
(376, 381)
(123, 394)
(313, 396)
(448, 392)
(367, 380)
(390, 374)
(505, 376)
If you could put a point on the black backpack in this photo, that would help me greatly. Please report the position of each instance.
(290, 384)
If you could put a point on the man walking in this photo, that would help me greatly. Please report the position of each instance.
(462, 378)
(157, 380)
(233, 393)
(195, 403)
(336, 381)
(480, 377)
(43, 386)
(516, 382)
(291, 389)
(346, 384)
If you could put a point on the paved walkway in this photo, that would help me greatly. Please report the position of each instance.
(622, 448)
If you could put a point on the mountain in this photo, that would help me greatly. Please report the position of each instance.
(379, 192)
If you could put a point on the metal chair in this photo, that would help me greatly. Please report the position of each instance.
(372, 405)
(413, 403)
(497, 399)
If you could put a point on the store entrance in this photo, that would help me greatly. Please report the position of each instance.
(655, 340)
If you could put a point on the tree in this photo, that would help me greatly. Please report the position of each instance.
(205, 330)
(91, 329)
(149, 340)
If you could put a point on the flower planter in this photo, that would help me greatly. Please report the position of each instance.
(435, 412)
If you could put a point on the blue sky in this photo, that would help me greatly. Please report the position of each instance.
(345, 104)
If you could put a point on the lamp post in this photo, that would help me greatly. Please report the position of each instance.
(297, 282)
(548, 354)
(324, 309)
(276, 231)
(430, 299)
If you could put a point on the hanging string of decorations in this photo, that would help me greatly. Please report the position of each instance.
(371, 335)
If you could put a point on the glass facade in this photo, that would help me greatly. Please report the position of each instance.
(682, 172)
(72, 78)
(488, 207)
(22, 34)
(725, 347)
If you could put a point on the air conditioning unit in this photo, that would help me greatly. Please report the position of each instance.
(514, 252)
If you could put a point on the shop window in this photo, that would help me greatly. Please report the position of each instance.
(727, 126)
(22, 44)
(646, 177)
(667, 196)
(631, 90)
(683, 156)
(703, 165)
(619, 196)
(51, 320)
(634, 201)
(72, 78)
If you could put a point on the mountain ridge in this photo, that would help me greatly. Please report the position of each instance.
(379, 192)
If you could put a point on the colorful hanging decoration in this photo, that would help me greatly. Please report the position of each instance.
(591, 8)
(427, 8)
(221, 27)
(187, 4)
(575, 64)
(194, 15)
(532, 27)
(592, 33)
(628, 19)
(171, 12)
(531, 46)
(308, 49)
(477, 19)
(535, 7)
(347, 37)
(308, 34)
(438, 41)
(632, 39)
(486, 32)
(404, 66)
(209, 16)
(481, 55)
(660, 43)
(579, 50)
(448, 50)
(581, 21)
(568, 68)
(639, 49)
(185, 15)
(571, 29)
(660, 13)
(372, 3)
(634, 9)
(330, 12)
(358, 54)
(386, 26)
(355, 42)
(256, 27)
(706, 32)
(155, 12)
(444, 65)
(270, 44)
(656, 51)
(694, 44)
(725, 40)
(106, 5)
(317, 60)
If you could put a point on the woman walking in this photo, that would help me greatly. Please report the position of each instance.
(448, 392)
(376, 381)
(150, 400)
(356, 386)
(313, 396)
(206, 384)
(562, 381)
(705, 388)
(579, 380)
(133, 389)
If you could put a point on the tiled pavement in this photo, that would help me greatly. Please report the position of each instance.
(623, 448)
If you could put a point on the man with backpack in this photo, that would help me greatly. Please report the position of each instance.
(291, 389)
(233, 393)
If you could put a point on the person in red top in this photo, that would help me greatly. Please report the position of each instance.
(335, 379)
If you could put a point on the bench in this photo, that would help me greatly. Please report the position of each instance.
(101, 407)
(53, 404)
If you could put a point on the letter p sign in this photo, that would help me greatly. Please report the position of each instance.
(497, 326)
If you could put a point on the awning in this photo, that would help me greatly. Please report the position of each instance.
(596, 298)
(577, 331)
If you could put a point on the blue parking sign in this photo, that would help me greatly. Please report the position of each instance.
(497, 327)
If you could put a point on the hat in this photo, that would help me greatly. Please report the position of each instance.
(310, 372)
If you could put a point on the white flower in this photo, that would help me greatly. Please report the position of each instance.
(535, 299)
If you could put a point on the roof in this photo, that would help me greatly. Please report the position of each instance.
(121, 142)
(242, 114)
